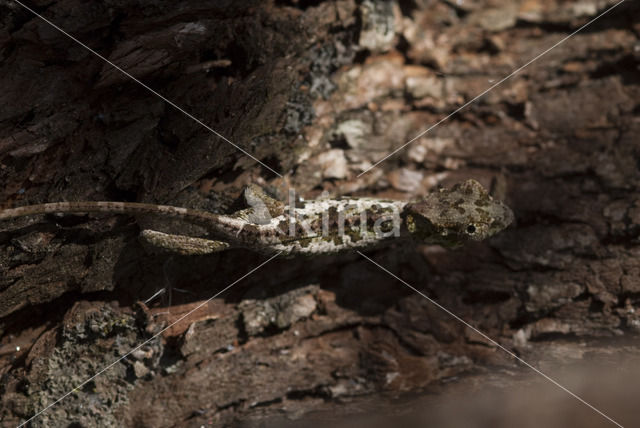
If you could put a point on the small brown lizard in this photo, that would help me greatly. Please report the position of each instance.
(448, 217)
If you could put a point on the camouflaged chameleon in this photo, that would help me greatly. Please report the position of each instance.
(448, 217)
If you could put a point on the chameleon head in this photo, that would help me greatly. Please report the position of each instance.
(453, 216)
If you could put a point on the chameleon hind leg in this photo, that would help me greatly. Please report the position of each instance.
(181, 244)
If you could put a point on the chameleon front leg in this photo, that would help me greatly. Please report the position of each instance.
(261, 207)
(181, 244)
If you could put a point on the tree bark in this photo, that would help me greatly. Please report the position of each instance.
(319, 92)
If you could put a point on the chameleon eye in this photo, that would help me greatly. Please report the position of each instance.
(471, 229)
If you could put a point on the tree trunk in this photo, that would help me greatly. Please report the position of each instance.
(317, 92)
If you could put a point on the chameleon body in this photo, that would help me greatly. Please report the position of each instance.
(448, 217)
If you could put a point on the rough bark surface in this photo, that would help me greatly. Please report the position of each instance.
(318, 91)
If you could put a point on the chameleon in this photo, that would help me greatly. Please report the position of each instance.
(447, 217)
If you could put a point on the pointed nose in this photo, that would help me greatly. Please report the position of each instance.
(507, 217)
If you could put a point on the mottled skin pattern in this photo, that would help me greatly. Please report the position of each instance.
(452, 217)
(324, 226)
